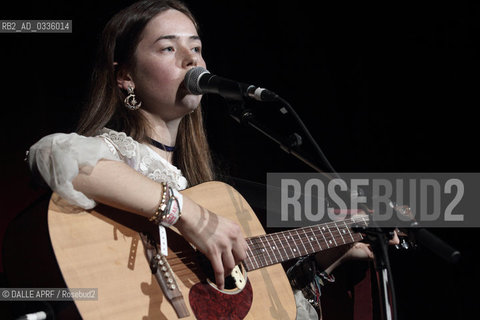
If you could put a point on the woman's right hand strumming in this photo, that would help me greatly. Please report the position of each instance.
(219, 238)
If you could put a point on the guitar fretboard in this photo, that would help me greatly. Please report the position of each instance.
(278, 247)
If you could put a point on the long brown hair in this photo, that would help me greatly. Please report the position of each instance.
(105, 106)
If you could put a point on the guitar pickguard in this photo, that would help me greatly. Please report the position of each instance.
(209, 303)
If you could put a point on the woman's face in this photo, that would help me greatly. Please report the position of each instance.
(169, 46)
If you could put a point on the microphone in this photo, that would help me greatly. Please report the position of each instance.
(436, 245)
(199, 80)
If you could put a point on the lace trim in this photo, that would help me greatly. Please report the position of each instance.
(143, 159)
(172, 176)
(165, 175)
(125, 144)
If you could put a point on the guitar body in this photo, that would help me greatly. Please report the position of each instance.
(102, 249)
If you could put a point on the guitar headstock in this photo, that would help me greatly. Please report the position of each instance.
(404, 211)
(406, 241)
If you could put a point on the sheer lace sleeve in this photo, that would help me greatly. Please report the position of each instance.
(143, 159)
(58, 157)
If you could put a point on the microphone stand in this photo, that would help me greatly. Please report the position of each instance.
(377, 236)
(378, 239)
(245, 117)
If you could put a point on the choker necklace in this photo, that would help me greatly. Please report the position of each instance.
(160, 145)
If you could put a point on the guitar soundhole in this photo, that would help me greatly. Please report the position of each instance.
(231, 283)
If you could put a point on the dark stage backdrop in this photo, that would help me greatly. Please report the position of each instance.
(383, 86)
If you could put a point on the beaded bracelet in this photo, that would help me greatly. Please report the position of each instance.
(162, 205)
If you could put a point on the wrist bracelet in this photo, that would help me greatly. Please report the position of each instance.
(162, 205)
(169, 211)
(172, 213)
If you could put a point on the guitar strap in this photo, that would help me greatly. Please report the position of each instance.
(163, 273)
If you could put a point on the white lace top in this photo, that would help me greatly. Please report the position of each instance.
(58, 158)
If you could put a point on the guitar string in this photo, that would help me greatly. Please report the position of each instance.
(260, 256)
(328, 224)
(310, 237)
(308, 232)
(316, 246)
(307, 237)
(260, 252)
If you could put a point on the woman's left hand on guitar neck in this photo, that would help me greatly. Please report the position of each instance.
(355, 251)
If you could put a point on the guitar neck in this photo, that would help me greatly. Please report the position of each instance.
(281, 246)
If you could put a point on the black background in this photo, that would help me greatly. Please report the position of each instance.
(383, 87)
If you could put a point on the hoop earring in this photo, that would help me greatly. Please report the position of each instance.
(130, 101)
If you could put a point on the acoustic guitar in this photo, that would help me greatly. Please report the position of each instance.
(103, 249)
